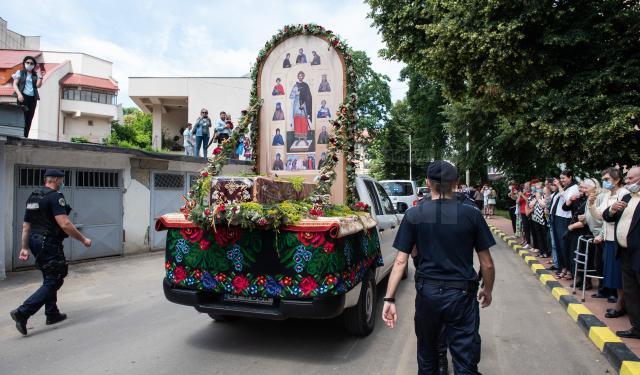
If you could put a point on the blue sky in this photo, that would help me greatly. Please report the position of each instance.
(188, 38)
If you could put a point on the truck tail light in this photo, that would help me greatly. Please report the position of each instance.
(415, 203)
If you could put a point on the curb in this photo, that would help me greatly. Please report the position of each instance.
(617, 353)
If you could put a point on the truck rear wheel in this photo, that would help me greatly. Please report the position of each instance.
(360, 319)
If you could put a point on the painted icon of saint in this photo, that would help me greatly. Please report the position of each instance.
(301, 104)
(278, 114)
(324, 84)
(301, 58)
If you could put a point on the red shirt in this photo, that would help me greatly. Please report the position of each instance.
(523, 202)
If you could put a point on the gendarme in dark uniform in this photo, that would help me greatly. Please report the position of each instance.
(46, 208)
(446, 234)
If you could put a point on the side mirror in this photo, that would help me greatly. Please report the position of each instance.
(402, 207)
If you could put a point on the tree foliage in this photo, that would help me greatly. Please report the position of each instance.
(374, 94)
(545, 81)
(135, 133)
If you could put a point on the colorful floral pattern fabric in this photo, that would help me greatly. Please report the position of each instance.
(305, 264)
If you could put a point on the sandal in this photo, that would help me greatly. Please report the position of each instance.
(549, 261)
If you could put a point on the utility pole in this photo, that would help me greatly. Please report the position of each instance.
(468, 174)
(410, 160)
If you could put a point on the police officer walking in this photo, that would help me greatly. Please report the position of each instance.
(46, 225)
(445, 233)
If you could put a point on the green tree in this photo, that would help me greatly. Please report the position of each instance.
(135, 133)
(374, 94)
(559, 77)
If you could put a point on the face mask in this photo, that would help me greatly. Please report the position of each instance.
(29, 67)
(61, 186)
(533, 190)
(607, 185)
(633, 188)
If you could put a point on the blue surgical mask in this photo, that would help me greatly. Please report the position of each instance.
(533, 190)
(633, 188)
(607, 185)
(61, 186)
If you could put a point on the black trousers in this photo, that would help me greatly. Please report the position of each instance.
(455, 310)
(512, 215)
(631, 288)
(30, 103)
(539, 232)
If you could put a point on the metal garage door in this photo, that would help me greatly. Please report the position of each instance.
(96, 199)
(167, 189)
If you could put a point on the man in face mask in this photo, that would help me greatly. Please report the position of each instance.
(626, 215)
(46, 225)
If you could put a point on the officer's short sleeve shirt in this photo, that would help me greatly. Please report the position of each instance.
(52, 204)
(446, 234)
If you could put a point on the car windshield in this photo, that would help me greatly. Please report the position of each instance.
(398, 189)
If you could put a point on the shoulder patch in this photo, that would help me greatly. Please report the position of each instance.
(62, 202)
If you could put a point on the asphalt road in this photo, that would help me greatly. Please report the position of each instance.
(120, 323)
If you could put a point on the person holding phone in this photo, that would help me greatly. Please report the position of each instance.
(26, 83)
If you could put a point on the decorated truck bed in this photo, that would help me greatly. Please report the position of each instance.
(303, 236)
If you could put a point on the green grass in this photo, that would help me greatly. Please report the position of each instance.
(503, 213)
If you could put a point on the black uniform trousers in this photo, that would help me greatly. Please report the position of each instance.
(51, 262)
(631, 288)
(455, 310)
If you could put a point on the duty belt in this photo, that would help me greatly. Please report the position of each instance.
(456, 284)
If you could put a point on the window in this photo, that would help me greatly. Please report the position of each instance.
(374, 197)
(398, 188)
(94, 97)
(90, 122)
(386, 202)
(87, 95)
(103, 98)
(97, 179)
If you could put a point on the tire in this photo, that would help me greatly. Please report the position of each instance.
(360, 319)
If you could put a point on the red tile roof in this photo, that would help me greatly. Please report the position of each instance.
(73, 79)
(10, 58)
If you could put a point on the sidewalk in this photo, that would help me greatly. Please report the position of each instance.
(597, 306)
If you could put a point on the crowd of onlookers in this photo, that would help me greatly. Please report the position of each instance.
(551, 216)
(197, 136)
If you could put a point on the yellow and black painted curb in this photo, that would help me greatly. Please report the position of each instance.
(617, 353)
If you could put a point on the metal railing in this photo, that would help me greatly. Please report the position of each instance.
(581, 258)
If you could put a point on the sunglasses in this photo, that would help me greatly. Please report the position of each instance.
(29, 63)
(204, 113)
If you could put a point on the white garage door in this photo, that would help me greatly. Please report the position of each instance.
(167, 190)
(96, 199)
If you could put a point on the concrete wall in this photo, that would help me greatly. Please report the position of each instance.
(79, 127)
(12, 40)
(136, 171)
(47, 117)
(81, 63)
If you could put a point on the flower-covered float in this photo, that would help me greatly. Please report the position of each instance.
(293, 239)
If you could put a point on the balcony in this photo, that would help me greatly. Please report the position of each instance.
(79, 108)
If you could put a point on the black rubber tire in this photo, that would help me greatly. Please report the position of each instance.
(360, 319)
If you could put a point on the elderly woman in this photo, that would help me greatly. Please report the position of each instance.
(537, 205)
(577, 204)
(612, 183)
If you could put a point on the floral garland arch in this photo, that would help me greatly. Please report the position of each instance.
(343, 142)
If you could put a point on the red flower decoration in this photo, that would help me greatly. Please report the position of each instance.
(328, 248)
(261, 280)
(204, 174)
(311, 239)
(262, 221)
(221, 277)
(167, 265)
(221, 207)
(331, 279)
(308, 285)
(207, 212)
(179, 274)
(286, 281)
(240, 283)
(217, 150)
(316, 212)
(192, 234)
(204, 244)
(197, 274)
(227, 235)
(361, 206)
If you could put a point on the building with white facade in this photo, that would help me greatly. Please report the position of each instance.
(175, 101)
(78, 97)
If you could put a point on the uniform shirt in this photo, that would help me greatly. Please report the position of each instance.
(445, 233)
(52, 204)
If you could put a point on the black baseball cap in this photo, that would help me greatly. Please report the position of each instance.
(442, 171)
(53, 173)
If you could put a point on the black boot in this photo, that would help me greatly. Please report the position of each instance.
(21, 321)
(56, 318)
